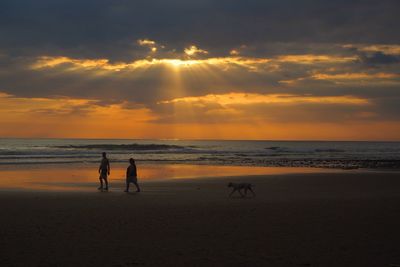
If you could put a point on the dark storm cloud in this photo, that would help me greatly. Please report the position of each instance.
(378, 58)
(109, 28)
(389, 107)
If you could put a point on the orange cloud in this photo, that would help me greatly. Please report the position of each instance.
(104, 64)
(355, 76)
(65, 117)
(384, 48)
(47, 61)
(248, 99)
(182, 115)
(81, 118)
(51, 62)
(312, 59)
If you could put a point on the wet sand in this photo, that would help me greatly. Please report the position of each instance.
(83, 177)
(329, 219)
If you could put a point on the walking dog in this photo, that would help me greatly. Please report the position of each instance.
(239, 186)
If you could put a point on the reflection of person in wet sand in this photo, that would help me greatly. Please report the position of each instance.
(104, 171)
(131, 175)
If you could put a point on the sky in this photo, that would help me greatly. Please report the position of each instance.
(200, 69)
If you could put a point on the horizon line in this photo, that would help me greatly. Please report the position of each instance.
(205, 139)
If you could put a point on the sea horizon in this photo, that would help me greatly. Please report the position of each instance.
(321, 154)
(205, 139)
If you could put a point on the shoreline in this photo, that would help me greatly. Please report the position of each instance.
(117, 185)
(337, 164)
(83, 177)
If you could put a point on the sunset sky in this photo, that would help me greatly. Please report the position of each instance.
(201, 69)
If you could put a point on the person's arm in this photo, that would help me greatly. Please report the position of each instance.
(127, 172)
(108, 165)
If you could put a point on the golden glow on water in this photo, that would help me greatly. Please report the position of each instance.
(85, 177)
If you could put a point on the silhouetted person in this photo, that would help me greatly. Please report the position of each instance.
(131, 175)
(104, 171)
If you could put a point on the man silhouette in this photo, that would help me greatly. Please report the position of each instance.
(104, 171)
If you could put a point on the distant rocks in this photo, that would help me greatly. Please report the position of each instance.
(273, 148)
(332, 150)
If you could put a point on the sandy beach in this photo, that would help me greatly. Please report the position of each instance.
(326, 219)
(184, 101)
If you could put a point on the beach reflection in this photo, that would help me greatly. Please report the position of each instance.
(73, 177)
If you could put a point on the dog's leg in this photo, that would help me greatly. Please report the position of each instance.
(233, 191)
(254, 194)
(240, 192)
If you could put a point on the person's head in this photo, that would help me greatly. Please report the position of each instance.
(104, 154)
(132, 161)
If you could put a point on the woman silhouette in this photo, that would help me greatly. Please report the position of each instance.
(131, 175)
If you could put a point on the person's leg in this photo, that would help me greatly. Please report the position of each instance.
(101, 183)
(127, 185)
(137, 186)
(106, 182)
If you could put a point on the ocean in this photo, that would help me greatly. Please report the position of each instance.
(319, 154)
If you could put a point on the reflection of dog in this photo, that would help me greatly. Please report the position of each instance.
(239, 186)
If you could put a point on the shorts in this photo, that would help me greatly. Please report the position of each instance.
(103, 174)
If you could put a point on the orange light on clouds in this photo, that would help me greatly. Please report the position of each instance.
(194, 50)
(42, 117)
(64, 117)
(384, 48)
(355, 76)
(104, 64)
(248, 99)
(312, 59)
(232, 113)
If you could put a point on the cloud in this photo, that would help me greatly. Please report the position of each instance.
(109, 29)
(234, 52)
(379, 58)
(150, 80)
(61, 117)
(193, 51)
(249, 99)
(184, 61)
(146, 42)
(243, 107)
(382, 48)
